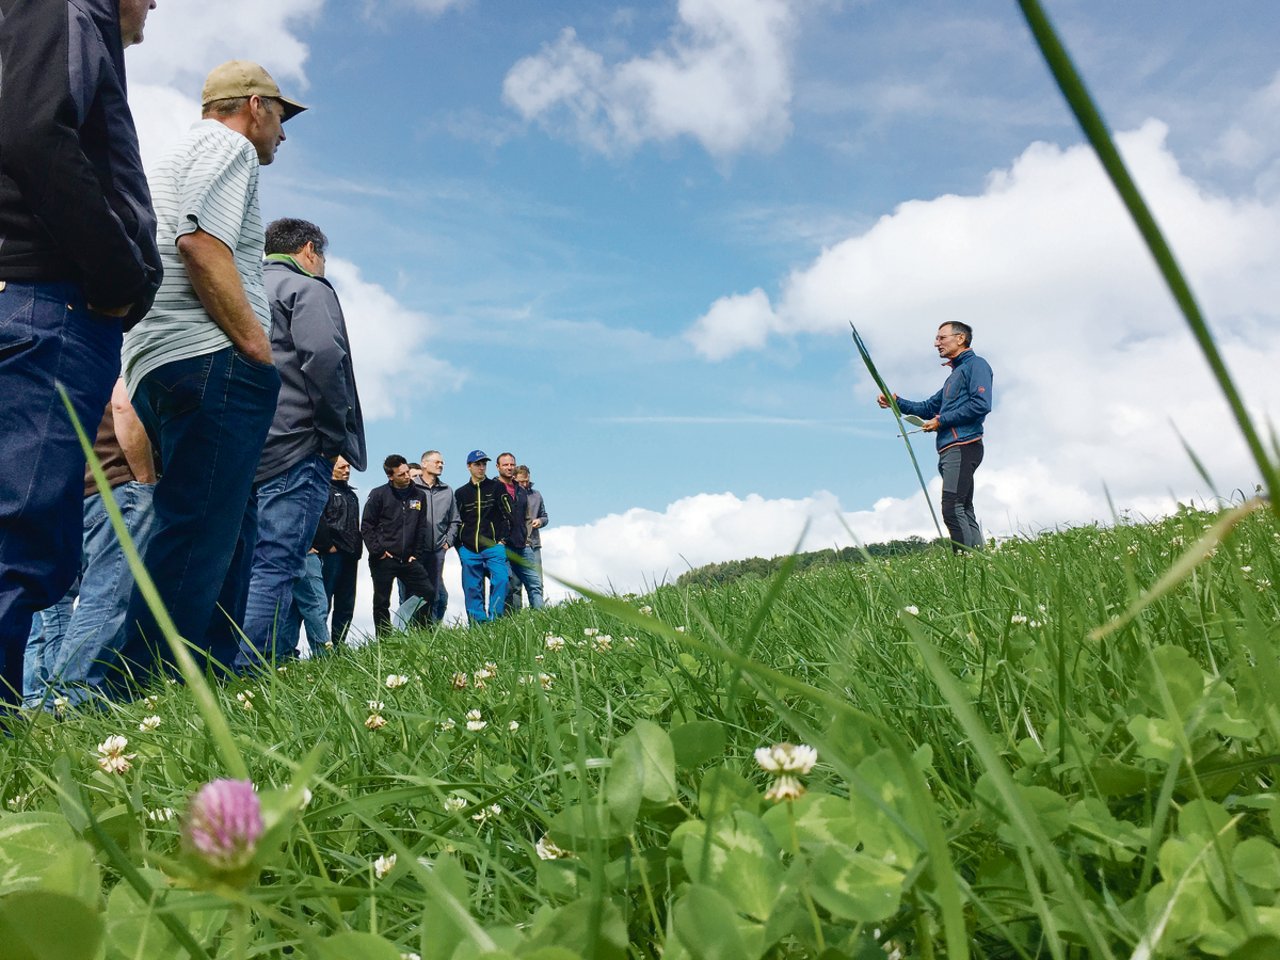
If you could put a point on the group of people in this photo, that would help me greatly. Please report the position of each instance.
(237, 395)
(408, 526)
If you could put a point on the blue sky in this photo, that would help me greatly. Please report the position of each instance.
(624, 241)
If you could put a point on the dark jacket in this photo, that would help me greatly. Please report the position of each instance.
(537, 511)
(961, 405)
(74, 202)
(485, 510)
(340, 522)
(319, 409)
(442, 515)
(518, 534)
(395, 526)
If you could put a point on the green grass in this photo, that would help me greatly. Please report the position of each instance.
(994, 779)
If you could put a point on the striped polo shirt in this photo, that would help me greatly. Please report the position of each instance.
(208, 180)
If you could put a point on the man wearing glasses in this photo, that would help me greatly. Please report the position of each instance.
(199, 367)
(955, 413)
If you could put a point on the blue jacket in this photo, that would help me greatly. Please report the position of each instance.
(961, 405)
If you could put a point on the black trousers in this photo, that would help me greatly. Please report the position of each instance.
(340, 571)
(957, 465)
(420, 583)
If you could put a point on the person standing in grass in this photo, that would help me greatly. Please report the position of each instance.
(484, 508)
(535, 520)
(200, 371)
(340, 560)
(442, 523)
(956, 414)
(519, 557)
(78, 266)
(395, 532)
(317, 420)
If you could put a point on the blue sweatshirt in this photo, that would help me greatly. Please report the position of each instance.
(961, 405)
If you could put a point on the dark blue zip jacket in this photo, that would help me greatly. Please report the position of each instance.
(74, 202)
(961, 405)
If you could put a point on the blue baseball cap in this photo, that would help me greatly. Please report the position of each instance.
(475, 456)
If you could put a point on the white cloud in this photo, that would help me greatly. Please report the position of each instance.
(388, 345)
(1092, 360)
(723, 78)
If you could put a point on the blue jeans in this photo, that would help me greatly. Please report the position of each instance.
(289, 508)
(209, 417)
(340, 574)
(48, 336)
(491, 560)
(526, 571)
(106, 583)
(311, 606)
(48, 630)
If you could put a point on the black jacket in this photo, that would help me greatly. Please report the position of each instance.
(319, 409)
(485, 509)
(74, 202)
(395, 526)
(518, 534)
(340, 522)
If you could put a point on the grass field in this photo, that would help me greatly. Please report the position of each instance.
(993, 778)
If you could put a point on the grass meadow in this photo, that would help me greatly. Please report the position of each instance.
(994, 778)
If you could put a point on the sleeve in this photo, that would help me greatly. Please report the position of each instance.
(425, 540)
(453, 523)
(369, 526)
(40, 141)
(317, 327)
(504, 514)
(977, 396)
(218, 190)
(542, 511)
(922, 408)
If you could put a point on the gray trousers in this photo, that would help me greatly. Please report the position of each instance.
(957, 465)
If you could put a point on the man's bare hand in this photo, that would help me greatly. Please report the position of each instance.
(883, 401)
(257, 347)
(930, 426)
(112, 311)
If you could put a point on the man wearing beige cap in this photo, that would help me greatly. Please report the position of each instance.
(199, 366)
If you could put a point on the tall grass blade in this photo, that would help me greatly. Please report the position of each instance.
(897, 415)
(1095, 129)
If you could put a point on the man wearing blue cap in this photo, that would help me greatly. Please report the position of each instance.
(485, 508)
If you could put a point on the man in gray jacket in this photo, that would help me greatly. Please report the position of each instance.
(443, 522)
(317, 419)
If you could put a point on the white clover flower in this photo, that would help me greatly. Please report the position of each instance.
(546, 679)
(1018, 619)
(554, 643)
(646, 610)
(306, 798)
(376, 706)
(60, 705)
(454, 803)
(479, 683)
(787, 758)
(149, 723)
(448, 723)
(548, 849)
(1246, 569)
(491, 667)
(602, 643)
(384, 865)
(590, 631)
(680, 629)
(151, 701)
(396, 680)
(475, 722)
(282, 669)
(786, 787)
(513, 726)
(482, 674)
(19, 801)
(410, 956)
(161, 814)
(629, 641)
(539, 658)
(111, 754)
(375, 721)
(495, 810)
(912, 609)
(459, 681)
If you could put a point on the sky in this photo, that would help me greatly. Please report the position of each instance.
(626, 242)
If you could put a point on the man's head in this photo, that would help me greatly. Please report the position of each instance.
(415, 471)
(953, 339)
(396, 468)
(507, 467)
(300, 239)
(432, 466)
(133, 18)
(341, 469)
(477, 464)
(522, 476)
(242, 95)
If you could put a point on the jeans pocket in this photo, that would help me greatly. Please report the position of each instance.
(250, 362)
(16, 334)
(177, 388)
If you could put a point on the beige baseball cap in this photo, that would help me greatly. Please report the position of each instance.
(244, 78)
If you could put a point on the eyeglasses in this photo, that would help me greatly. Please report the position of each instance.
(944, 336)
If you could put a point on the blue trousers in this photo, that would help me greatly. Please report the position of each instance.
(208, 416)
(311, 606)
(48, 336)
(289, 508)
(493, 561)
